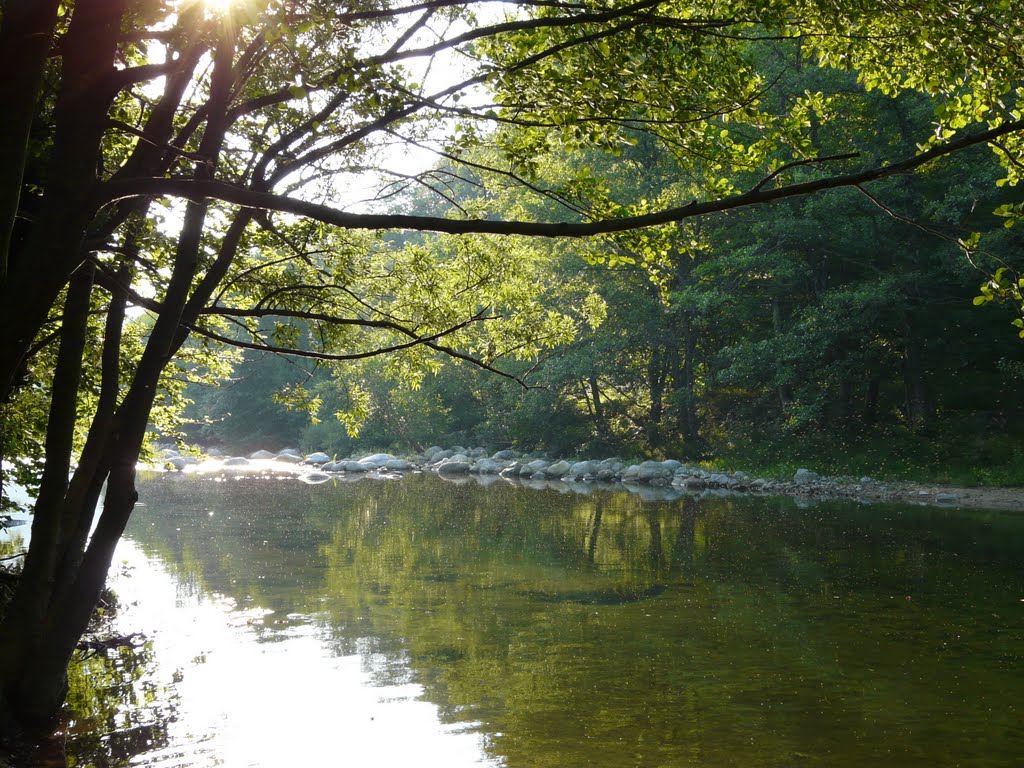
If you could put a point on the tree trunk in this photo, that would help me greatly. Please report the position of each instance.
(656, 384)
(871, 401)
(916, 407)
(26, 33)
(24, 622)
(33, 676)
(785, 392)
(689, 422)
(38, 271)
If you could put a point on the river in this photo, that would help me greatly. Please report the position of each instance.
(419, 622)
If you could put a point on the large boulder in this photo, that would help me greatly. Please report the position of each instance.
(804, 476)
(317, 458)
(440, 456)
(357, 466)
(429, 453)
(533, 467)
(558, 469)
(236, 461)
(176, 463)
(477, 453)
(333, 466)
(505, 455)
(652, 470)
(288, 458)
(259, 455)
(455, 466)
(397, 465)
(583, 468)
(488, 467)
(376, 460)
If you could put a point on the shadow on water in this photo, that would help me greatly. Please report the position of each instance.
(513, 626)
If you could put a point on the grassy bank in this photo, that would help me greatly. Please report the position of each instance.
(989, 457)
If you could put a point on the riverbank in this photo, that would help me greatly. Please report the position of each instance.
(581, 474)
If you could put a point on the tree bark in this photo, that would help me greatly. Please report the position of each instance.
(54, 248)
(916, 408)
(23, 625)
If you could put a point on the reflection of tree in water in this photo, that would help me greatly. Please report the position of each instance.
(598, 629)
(115, 708)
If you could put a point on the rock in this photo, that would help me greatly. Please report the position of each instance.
(290, 452)
(743, 477)
(671, 464)
(259, 455)
(605, 475)
(533, 467)
(558, 469)
(946, 498)
(236, 461)
(440, 456)
(477, 453)
(455, 467)
(376, 460)
(168, 453)
(397, 465)
(865, 480)
(582, 468)
(429, 453)
(333, 466)
(288, 458)
(215, 453)
(651, 470)
(804, 476)
(458, 449)
(176, 463)
(317, 458)
(488, 467)
(506, 455)
(719, 479)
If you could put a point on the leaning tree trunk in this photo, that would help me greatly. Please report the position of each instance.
(65, 585)
(36, 272)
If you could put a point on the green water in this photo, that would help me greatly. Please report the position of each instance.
(421, 622)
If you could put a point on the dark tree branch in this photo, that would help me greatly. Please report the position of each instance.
(198, 190)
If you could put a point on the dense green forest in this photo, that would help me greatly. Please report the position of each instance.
(839, 330)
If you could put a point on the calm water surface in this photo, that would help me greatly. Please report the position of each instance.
(425, 623)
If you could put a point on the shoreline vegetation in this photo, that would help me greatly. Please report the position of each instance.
(666, 479)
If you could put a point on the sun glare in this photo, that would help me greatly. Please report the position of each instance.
(218, 7)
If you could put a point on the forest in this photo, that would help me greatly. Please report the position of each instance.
(850, 330)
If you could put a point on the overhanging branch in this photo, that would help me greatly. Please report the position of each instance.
(191, 189)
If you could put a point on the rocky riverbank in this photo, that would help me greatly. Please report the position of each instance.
(672, 477)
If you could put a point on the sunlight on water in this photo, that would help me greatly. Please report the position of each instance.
(283, 700)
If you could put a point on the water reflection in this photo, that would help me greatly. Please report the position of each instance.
(427, 623)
